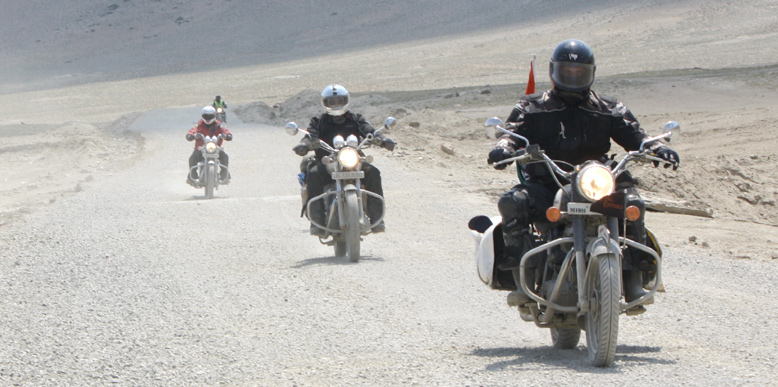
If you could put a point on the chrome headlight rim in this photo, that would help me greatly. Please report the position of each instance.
(595, 182)
(211, 148)
(348, 158)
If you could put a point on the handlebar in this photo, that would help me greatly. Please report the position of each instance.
(534, 153)
(201, 136)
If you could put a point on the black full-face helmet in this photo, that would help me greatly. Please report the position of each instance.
(572, 66)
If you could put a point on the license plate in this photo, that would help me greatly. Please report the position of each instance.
(579, 208)
(348, 175)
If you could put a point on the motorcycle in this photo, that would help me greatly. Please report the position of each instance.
(580, 250)
(221, 115)
(344, 200)
(209, 170)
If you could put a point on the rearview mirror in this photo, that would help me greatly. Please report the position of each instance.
(673, 128)
(493, 122)
(389, 122)
(291, 128)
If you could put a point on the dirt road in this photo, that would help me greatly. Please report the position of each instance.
(138, 280)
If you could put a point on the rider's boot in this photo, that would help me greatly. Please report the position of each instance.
(375, 210)
(191, 178)
(633, 286)
(317, 215)
(518, 298)
(517, 243)
(224, 176)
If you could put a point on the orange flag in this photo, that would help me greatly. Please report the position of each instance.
(531, 81)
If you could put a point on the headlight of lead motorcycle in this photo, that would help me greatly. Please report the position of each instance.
(348, 157)
(211, 147)
(595, 182)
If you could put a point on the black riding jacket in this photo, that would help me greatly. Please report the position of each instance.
(573, 133)
(326, 128)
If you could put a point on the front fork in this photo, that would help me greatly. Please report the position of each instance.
(579, 246)
(341, 198)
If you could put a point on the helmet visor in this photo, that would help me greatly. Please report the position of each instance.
(208, 117)
(571, 76)
(336, 102)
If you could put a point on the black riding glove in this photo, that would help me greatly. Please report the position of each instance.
(190, 137)
(388, 144)
(228, 137)
(668, 154)
(301, 149)
(499, 154)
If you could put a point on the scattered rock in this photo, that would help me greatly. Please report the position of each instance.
(401, 112)
(447, 149)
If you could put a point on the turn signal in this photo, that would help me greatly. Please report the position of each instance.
(633, 213)
(553, 214)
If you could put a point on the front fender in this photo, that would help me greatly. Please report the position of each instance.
(602, 245)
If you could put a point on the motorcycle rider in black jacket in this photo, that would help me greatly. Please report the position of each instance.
(338, 120)
(574, 124)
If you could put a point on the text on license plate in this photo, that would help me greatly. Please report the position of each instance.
(348, 175)
(579, 208)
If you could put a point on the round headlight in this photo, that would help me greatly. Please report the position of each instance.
(211, 147)
(595, 182)
(348, 157)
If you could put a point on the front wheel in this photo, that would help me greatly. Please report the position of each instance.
(603, 289)
(353, 234)
(210, 182)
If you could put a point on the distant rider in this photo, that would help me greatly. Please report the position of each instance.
(574, 124)
(207, 126)
(219, 103)
(338, 120)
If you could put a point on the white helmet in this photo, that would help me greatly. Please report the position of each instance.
(209, 114)
(335, 100)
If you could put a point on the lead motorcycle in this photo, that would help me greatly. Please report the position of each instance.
(209, 170)
(573, 275)
(344, 199)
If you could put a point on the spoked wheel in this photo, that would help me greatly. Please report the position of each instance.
(565, 338)
(210, 183)
(352, 228)
(603, 289)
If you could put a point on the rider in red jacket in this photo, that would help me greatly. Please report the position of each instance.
(207, 126)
